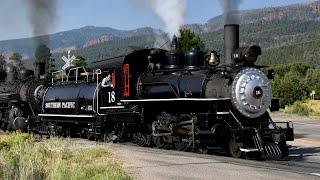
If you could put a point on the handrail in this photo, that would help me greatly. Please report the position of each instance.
(77, 72)
(57, 72)
(76, 69)
(98, 72)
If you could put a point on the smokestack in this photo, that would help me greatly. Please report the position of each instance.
(40, 70)
(175, 43)
(174, 58)
(42, 55)
(11, 73)
(231, 42)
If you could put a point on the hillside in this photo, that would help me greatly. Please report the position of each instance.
(72, 40)
(286, 34)
(282, 41)
(110, 48)
(309, 11)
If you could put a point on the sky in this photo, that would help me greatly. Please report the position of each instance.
(119, 14)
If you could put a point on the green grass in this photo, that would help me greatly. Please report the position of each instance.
(304, 108)
(21, 157)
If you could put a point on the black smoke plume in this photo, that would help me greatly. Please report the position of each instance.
(230, 9)
(42, 17)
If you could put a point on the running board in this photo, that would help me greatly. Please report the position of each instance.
(66, 115)
(249, 150)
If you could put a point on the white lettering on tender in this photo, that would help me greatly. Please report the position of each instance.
(59, 105)
(68, 105)
(53, 105)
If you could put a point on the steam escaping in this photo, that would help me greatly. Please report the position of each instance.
(161, 40)
(230, 8)
(171, 12)
(42, 17)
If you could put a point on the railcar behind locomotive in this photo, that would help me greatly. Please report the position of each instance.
(21, 94)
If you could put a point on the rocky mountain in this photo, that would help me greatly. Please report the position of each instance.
(71, 40)
(268, 27)
(309, 11)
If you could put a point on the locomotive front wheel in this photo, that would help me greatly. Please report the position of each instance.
(159, 142)
(180, 144)
(234, 149)
(140, 139)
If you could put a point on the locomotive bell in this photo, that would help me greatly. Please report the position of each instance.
(214, 58)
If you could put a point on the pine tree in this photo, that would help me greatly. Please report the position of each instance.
(190, 40)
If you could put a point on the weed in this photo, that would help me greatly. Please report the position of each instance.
(21, 157)
(300, 108)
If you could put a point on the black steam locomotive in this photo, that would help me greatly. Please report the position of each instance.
(169, 99)
(21, 94)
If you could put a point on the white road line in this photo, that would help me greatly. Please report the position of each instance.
(315, 174)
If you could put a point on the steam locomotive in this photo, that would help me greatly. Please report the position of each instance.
(167, 99)
(21, 93)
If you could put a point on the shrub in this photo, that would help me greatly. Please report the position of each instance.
(21, 157)
(299, 108)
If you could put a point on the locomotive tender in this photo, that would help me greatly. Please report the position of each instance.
(170, 99)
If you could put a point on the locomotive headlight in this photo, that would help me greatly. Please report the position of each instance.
(257, 92)
(248, 55)
(251, 92)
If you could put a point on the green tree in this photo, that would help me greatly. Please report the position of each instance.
(293, 82)
(289, 89)
(313, 79)
(81, 61)
(190, 39)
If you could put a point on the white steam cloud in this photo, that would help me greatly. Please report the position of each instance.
(171, 12)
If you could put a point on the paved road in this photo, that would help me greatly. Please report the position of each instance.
(303, 163)
(307, 138)
(150, 163)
